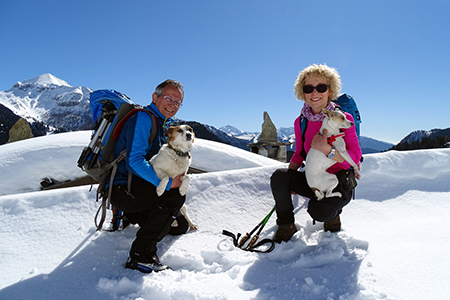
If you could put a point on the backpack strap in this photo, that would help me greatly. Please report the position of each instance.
(303, 126)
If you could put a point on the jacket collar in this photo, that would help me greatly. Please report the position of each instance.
(166, 121)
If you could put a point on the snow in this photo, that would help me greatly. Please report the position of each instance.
(393, 245)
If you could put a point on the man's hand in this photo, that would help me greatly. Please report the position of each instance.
(176, 182)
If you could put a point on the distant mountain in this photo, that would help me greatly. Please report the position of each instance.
(211, 133)
(370, 145)
(418, 135)
(49, 100)
(233, 131)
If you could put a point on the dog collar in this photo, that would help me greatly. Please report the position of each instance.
(333, 138)
(180, 153)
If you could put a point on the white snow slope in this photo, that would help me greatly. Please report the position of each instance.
(394, 243)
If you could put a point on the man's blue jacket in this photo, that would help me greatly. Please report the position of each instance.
(134, 137)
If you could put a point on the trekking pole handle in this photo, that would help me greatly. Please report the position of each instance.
(252, 241)
(243, 240)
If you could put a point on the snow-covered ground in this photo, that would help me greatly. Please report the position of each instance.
(394, 243)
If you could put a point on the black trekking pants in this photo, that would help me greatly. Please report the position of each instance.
(283, 181)
(153, 214)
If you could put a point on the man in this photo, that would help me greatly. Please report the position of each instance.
(141, 205)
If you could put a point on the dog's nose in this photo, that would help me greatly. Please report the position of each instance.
(188, 136)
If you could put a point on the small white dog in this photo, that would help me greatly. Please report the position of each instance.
(174, 159)
(320, 181)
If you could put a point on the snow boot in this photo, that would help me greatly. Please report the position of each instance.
(284, 232)
(332, 225)
(150, 265)
(143, 257)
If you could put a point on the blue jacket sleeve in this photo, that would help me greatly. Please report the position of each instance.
(137, 147)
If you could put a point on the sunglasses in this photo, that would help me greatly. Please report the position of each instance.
(321, 88)
(170, 100)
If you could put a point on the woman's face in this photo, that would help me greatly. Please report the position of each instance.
(316, 100)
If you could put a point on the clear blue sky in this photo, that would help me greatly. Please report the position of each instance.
(240, 58)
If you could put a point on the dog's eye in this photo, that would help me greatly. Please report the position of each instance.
(180, 130)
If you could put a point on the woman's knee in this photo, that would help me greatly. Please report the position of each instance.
(321, 212)
(278, 177)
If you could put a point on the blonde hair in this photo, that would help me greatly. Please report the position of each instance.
(331, 75)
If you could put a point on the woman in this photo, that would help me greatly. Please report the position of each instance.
(316, 85)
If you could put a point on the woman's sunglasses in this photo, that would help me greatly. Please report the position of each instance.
(321, 88)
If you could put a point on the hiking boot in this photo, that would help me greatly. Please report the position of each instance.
(284, 232)
(332, 225)
(152, 264)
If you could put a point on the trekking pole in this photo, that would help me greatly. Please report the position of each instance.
(264, 222)
(260, 226)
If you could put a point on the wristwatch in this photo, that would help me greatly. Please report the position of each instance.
(332, 153)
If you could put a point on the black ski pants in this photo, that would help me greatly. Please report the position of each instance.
(153, 214)
(283, 181)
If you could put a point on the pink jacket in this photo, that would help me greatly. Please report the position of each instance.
(350, 138)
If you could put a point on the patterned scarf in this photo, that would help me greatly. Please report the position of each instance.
(308, 113)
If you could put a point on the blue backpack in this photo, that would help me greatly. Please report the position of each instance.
(346, 103)
(110, 111)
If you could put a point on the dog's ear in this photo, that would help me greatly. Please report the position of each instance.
(169, 131)
(327, 112)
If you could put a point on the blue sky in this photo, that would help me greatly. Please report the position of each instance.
(238, 59)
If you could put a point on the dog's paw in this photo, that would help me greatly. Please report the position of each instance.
(184, 185)
(193, 226)
(159, 191)
(183, 191)
(319, 194)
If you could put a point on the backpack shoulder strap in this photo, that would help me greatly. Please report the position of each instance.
(303, 126)
(153, 132)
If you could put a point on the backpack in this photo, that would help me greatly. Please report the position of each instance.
(347, 104)
(110, 110)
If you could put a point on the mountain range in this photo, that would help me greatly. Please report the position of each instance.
(51, 105)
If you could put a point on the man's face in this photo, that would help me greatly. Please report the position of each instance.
(168, 109)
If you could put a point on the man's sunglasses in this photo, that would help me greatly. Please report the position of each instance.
(321, 88)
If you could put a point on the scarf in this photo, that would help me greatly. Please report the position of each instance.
(308, 113)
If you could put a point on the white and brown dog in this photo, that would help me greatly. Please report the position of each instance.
(320, 181)
(174, 159)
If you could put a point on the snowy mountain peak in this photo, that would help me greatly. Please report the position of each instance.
(46, 80)
(51, 101)
(228, 129)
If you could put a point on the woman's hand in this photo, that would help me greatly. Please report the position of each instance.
(319, 142)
